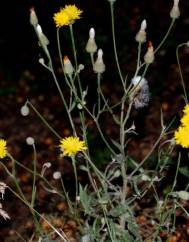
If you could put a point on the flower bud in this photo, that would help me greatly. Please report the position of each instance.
(43, 39)
(30, 141)
(175, 12)
(68, 68)
(149, 56)
(33, 17)
(24, 110)
(99, 66)
(57, 175)
(141, 35)
(184, 195)
(41, 61)
(91, 46)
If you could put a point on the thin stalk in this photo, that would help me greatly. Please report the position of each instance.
(34, 176)
(65, 239)
(114, 44)
(166, 35)
(180, 72)
(44, 120)
(76, 177)
(60, 55)
(148, 155)
(75, 56)
(64, 101)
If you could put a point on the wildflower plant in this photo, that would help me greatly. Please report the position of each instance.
(104, 209)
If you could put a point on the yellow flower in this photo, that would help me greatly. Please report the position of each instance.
(67, 15)
(186, 109)
(185, 120)
(71, 146)
(61, 19)
(73, 12)
(3, 148)
(182, 136)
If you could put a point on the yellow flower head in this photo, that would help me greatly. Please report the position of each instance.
(185, 120)
(67, 15)
(71, 146)
(61, 18)
(3, 148)
(182, 136)
(186, 109)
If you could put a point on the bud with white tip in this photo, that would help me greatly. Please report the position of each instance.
(99, 66)
(30, 141)
(24, 110)
(91, 46)
(68, 68)
(141, 35)
(175, 12)
(43, 39)
(149, 56)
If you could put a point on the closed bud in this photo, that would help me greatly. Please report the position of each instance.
(42, 38)
(91, 46)
(57, 175)
(33, 17)
(141, 35)
(24, 110)
(184, 195)
(68, 68)
(175, 12)
(149, 56)
(99, 66)
(30, 141)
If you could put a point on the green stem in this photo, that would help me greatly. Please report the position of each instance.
(34, 177)
(76, 177)
(75, 56)
(180, 72)
(114, 44)
(43, 120)
(166, 35)
(65, 239)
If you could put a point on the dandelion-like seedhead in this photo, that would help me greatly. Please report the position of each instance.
(140, 95)
(3, 148)
(181, 135)
(67, 16)
(70, 146)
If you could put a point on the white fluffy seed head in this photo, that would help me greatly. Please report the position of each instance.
(57, 175)
(138, 81)
(30, 141)
(99, 66)
(24, 110)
